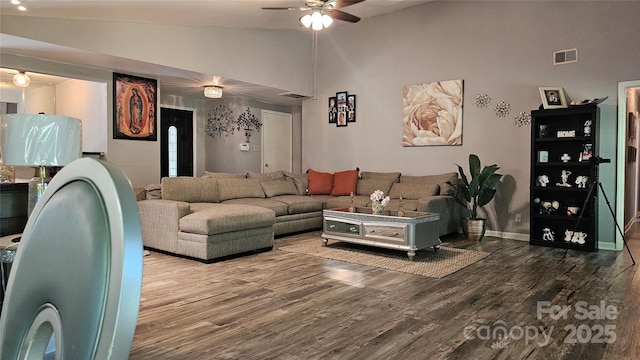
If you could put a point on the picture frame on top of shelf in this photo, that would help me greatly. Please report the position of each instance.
(552, 97)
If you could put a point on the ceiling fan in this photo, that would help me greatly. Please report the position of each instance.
(322, 12)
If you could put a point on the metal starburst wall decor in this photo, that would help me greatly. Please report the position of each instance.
(221, 122)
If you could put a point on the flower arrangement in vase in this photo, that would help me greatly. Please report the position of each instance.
(378, 202)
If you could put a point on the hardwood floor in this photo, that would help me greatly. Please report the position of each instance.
(279, 305)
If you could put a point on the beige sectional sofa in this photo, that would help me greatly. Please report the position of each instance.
(219, 214)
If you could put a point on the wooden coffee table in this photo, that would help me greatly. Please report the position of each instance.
(411, 232)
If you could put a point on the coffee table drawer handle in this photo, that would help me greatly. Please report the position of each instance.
(394, 234)
(332, 226)
(353, 229)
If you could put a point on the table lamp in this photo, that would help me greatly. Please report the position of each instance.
(39, 140)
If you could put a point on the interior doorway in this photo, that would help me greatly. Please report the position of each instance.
(277, 130)
(176, 142)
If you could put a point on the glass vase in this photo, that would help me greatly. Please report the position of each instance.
(377, 208)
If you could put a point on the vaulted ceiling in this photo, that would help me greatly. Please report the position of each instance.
(246, 14)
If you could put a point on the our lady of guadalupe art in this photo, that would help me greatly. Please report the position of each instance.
(134, 107)
(432, 113)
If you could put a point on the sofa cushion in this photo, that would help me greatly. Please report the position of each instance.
(278, 207)
(345, 201)
(368, 186)
(297, 204)
(239, 188)
(216, 175)
(344, 183)
(279, 187)
(224, 218)
(274, 175)
(153, 191)
(393, 176)
(190, 189)
(301, 181)
(431, 179)
(320, 183)
(413, 191)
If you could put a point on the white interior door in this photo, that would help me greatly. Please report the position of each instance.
(276, 141)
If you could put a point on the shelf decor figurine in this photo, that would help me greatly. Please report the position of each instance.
(587, 128)
(564, 177)
(543, 180)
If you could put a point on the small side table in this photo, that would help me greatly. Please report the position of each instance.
(8, 248)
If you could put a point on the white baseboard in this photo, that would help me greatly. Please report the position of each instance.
(507, 235)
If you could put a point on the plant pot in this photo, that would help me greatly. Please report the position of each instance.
(473, 229)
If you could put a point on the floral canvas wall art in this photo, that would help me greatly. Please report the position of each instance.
(432, 113)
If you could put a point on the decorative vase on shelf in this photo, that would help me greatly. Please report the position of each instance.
(377, 208)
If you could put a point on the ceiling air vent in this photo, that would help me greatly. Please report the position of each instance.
(292, 95)
(565, 56)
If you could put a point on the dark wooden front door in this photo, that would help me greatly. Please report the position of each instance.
(180, 123)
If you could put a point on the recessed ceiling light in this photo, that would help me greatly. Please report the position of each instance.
(15, 2)
(22, 8)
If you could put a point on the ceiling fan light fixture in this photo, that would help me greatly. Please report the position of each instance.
(326, 20)
(306, 20)
(213, 91)
(21, 79)
(316, 19)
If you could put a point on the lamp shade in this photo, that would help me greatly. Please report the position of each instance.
(39, 139)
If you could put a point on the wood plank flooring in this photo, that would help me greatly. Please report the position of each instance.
(280, 305)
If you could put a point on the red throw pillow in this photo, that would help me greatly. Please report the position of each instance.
(320, 183)
(344, 183)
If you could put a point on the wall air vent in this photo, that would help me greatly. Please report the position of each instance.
(292, 95)
(565, 56)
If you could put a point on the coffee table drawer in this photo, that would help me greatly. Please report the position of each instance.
(341, 227)
(389, 232)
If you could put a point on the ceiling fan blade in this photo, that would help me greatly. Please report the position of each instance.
(344, 3)
(341, 15)
(281, 8)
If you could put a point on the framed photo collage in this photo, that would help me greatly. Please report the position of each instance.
(342, 109)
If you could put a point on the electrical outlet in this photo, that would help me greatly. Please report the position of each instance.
(518, 218)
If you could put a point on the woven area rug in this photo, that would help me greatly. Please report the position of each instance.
(435, 264)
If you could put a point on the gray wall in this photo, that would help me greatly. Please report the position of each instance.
(503, 49)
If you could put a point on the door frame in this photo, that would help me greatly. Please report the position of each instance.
(194, 131)
(262, 140)
(621, 158)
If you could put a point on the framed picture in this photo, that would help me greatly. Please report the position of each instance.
(351, 108)
(552, 97)
(342, 116)
(341, 98)
(333, 110)
(422, 106)
(134, 108)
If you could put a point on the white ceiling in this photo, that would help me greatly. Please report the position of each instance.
(218, 13)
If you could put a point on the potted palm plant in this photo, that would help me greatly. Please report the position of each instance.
(475, 194)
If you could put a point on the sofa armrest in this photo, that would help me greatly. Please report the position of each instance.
(160, 222)
(448, 209)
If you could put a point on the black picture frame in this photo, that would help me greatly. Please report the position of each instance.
(341, 98)
(333, 110)
(134, 108)
(351, 108)
(342, 116)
